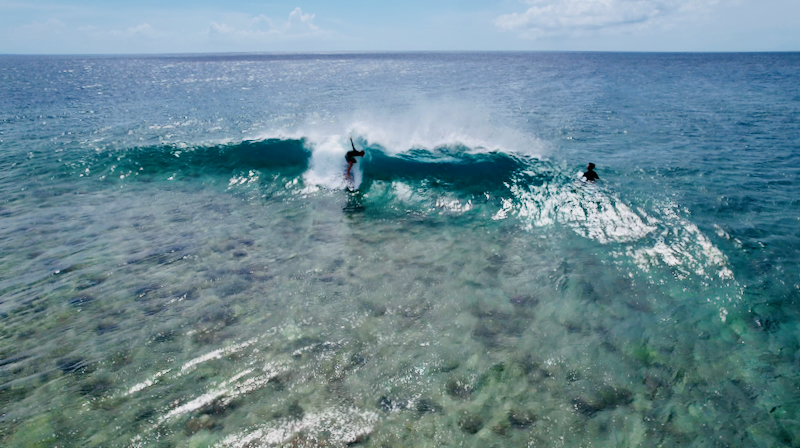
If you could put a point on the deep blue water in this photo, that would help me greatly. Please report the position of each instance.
(182, 265)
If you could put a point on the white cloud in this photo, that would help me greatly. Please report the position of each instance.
(262, 28)
(143, 30)
(216, 29)
(300, 23)
(585, 17)
(150, 31)
(133, 33)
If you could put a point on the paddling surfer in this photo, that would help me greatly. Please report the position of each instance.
(590, 175)
(351, 157)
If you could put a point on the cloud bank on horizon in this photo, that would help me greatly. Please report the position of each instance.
(164, 32)
(263, 29)
(86, 26)
(586, 17)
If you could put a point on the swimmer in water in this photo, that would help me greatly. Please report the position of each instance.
(351, 157)
(590, 175)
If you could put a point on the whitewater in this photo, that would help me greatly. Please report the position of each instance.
(183, 265)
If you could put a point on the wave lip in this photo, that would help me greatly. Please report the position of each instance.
(446, 165)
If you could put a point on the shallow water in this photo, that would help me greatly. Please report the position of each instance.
(182, 266)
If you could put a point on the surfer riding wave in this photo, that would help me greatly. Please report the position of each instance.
(351, 158)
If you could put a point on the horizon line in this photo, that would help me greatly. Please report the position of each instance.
(398, 52)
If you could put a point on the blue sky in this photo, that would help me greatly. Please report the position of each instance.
(178, 26)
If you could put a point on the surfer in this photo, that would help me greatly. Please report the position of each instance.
(351, 157)
(590, 175)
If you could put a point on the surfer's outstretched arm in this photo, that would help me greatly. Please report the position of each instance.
(358, 153)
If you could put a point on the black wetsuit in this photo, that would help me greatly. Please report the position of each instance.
(591, 176)
(351, 155)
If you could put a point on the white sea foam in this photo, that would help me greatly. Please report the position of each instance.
(660, 238)
(681, 245)
(589, 211)
(341, 426)
(328, 165)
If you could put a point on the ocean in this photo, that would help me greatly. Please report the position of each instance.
(182, 263)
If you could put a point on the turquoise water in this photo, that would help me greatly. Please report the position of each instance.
(181, 263)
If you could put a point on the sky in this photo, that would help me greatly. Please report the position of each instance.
(206, 26)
